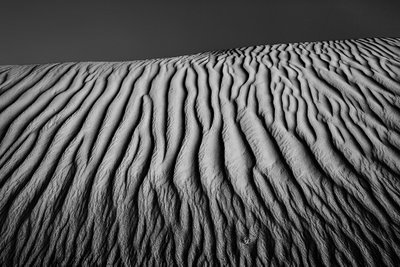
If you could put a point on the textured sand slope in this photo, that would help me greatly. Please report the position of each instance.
(281, 155)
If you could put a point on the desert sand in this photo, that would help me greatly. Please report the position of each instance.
(272, 155)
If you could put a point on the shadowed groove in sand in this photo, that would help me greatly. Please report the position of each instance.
(269, 155)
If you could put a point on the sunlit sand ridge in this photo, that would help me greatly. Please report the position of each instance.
(284, 154)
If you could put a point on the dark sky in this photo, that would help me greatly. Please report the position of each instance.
(63, 31)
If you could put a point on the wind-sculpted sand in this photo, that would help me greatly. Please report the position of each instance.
(282, 155)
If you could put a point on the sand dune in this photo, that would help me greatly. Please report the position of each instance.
(282, 155)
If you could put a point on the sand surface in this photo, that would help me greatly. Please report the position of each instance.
(282, 155)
